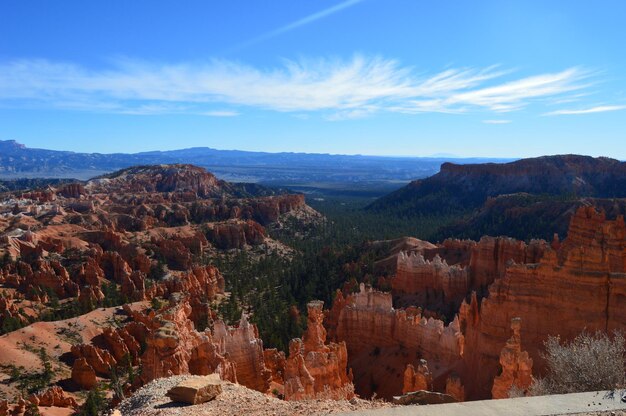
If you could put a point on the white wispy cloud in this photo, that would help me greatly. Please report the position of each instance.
(497, 121)
(338, 89)
(299, 23)
(590, 110)
(221, 113)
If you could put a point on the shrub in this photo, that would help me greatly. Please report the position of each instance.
(95, 403)
(590, 362)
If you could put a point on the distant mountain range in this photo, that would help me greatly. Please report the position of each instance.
(300, 170)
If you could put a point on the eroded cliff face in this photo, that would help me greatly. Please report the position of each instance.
(578, 285)
(426, 279)
(494, 281)
(245, 349)
(315, 369)
(440, 278)
(382, 341)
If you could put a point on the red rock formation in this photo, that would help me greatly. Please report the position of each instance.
(169, 344)
(210, 357)
(275, 362)
(589, 264)
(54, 396)
(420, 379)
(373, 329)
(314, 369)
(90, 296)
(245, 349)
(236, 234)
(439, 278)
(269, 209)
(516, 366)
(491, 256)
(299, 383)
(454, 388)
(72, 190)
(9, 310)
(100, 360)
(175, 253)
(122, 345)
(415, 275)
(83, 374)
(115, 267)
(174, 347)
(48, 274)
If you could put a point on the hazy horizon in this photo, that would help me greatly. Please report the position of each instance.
(430, 156)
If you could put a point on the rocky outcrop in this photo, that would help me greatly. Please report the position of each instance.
(491, 256)
(72, 190)
(515, 364)
(40, 274)
(458, 188)
(314, 369)
(423, 397)
(590, 264)
(454, 388)
(160, 178)
(53, 397)
(175, 253)
(373, 330)
(83, 374)
(101, 361)
(245, 349)
(275, 362)
(236, 234)
(170, 344)
(439, 278)
(175, 347)
(420, 379)
(415, 275)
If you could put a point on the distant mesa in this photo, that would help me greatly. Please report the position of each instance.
(492, 193)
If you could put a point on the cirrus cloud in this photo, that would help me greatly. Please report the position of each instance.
(337, 89)
(590, 110)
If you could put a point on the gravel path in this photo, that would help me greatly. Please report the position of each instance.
(235, 399)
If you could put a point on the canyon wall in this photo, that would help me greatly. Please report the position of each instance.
(382, 341)
(578, 285)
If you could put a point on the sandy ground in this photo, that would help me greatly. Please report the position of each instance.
(19, 348)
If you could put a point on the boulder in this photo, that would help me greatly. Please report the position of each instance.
(423, 397)
(196, 390)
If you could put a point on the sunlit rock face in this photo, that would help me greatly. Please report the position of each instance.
(382, 341)
(560, 288)
(440, 278)
(516, 366)
(579, 284)
(315, 369)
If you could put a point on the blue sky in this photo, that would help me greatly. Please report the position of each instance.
(385, 77)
